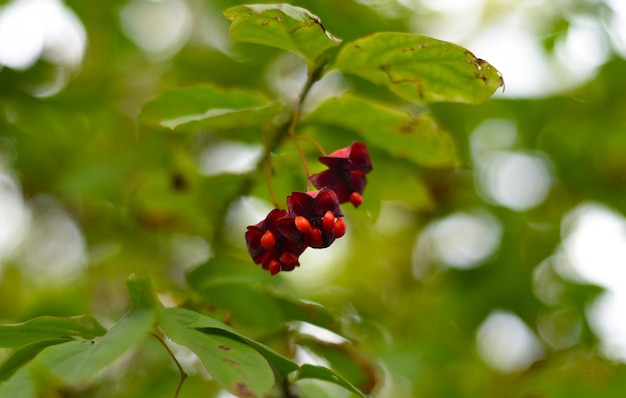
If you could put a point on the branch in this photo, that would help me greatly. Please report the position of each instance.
(183, 374)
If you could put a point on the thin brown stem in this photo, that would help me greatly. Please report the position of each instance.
(273, 142)
(183, 374)
(312, 77)
(304, 162)
(315, 143)
(269, 168)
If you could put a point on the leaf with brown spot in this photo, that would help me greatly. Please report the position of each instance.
(235, 365)
(180, 317)
(243, 391)
(419, 68)
(281, 26)
(231, 362)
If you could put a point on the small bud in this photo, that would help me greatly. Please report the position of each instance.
(328, 221)
(303, 225)
(268, 241)
(356, 199)
(340, 228)
(315, 238)
(274, 267)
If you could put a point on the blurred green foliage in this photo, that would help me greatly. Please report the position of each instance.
(138, 195)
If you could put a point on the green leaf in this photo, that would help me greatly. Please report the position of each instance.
(237, 366)
(321, 373)
(172, 317)
(281, 26)
(310, 312)
(77, 361)
(418, 139)
(140, 293)
(224, 268)
(48, 327)
(401, 183)
(20, 385)
(207, 107)
(243, 300)
(419, 68)
(24, 354)
(345, 359)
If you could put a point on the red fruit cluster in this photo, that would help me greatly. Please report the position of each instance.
(268, 245)
(346, 173)
(314, 218)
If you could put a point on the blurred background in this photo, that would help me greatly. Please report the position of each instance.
(498, 268)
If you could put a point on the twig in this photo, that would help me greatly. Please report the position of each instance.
(312, 77)
(269, 168)
(304, 162)
(312, 141)
(183, 374)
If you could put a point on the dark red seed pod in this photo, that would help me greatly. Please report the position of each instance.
(274, 267)
(268, 241)
(289, 259)
(340, 228)
(356, 199)
(346, 172)
(328, 221)
(303, 225)
(315, 238)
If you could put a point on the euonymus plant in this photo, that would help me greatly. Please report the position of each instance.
(53, 355)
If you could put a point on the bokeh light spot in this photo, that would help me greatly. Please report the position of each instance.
(514, 179)
(608, 320)
(583, 50)
(56, 247)
(30, 29)
(594, 251)
(14, 216)
(229, 157)
(461, 240)
(560, 328)
(594, 246)
(159, 28)
(492, 135)
(547, 285)
(506, 343)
